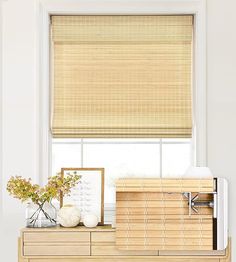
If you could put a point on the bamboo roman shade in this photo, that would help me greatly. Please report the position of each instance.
(153, 214)
(122, 76)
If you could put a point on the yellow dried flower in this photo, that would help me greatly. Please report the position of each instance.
(24, 190)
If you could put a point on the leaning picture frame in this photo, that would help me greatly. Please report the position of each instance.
(88, 195)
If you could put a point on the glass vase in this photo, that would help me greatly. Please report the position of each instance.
(41, 215)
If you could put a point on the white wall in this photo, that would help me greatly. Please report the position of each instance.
(20, 102)
(221, 84)
(19, 119)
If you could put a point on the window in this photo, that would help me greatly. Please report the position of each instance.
(122, 95)
(123, 158)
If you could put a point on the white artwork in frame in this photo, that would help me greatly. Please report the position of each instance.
(88, 195)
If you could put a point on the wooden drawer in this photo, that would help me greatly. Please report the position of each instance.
(103, 237)
(56, 237)
(56, 243)
(111, 250)
(56, 250)
(103, 244)
(193, 253)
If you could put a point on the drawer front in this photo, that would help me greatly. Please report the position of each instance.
(99, 237)
(48, 250)
(111, 250)
(193, 253)
(56, 237)
(104, 244)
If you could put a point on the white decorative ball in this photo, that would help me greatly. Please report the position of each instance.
(68, 216)
(90, 220)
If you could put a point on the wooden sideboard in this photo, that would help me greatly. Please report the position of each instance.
(97, 244)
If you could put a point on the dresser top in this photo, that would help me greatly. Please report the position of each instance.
(71, 229)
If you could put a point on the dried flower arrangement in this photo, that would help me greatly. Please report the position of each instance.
(26, 191)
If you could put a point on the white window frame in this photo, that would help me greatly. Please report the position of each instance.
(47, 8)
(158, 142)
(1, 111)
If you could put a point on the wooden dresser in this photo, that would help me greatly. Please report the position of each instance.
(97, 244)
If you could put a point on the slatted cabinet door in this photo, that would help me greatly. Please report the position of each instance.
(153, 214)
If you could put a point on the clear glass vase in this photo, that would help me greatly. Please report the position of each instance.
(42, 215)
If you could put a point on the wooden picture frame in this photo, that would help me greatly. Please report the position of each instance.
(85, 173)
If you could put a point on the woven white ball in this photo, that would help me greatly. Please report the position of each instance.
(90, 220)
(68, 216)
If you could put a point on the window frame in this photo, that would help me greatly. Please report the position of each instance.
(159, 142)
(109, 206)
(46, 8)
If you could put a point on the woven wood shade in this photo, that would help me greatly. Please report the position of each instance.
(153, 214)
(121, 76)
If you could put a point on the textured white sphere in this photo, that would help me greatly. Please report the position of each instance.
(68, 216)
(90, 220)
